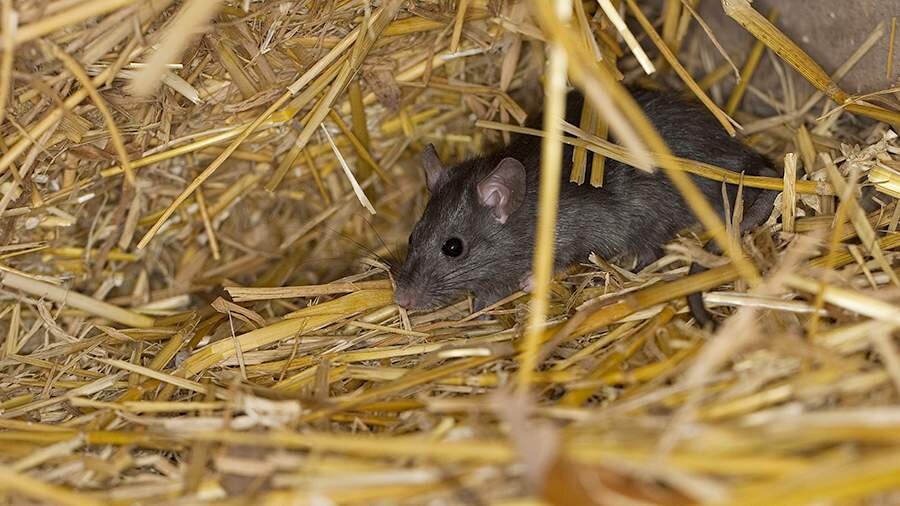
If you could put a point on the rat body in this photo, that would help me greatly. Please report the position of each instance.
(477, 232)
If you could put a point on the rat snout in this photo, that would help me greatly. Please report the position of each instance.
(408, 297)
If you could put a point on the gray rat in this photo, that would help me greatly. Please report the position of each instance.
(478, 229)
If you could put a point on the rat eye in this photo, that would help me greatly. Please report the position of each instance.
(453, 247)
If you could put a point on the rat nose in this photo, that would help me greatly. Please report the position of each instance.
(406, 297)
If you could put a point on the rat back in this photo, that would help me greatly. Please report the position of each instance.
(635, 213)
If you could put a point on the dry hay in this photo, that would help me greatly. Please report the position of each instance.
(127, 375)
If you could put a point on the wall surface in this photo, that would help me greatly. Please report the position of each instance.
(829, 30)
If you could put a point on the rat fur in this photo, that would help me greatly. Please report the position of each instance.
(488, 205)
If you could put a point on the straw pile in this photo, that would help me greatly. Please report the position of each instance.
(197, 200)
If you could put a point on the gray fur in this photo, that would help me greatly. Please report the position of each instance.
(630, 217)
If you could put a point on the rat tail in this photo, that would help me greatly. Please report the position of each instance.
(757, 214)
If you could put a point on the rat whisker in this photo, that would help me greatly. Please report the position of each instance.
(393, 255)
(363, 247)
(458, 277)
(456, 273)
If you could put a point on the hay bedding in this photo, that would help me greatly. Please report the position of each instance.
(128, 375)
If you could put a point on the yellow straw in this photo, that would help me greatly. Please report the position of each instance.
(545, 236)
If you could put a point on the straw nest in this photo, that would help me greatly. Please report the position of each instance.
(197, 198)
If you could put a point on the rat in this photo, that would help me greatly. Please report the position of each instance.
(477, 231)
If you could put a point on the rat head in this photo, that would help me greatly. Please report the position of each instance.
(466, 234)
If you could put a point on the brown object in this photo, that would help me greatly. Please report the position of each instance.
(827, 30)
(593, 485)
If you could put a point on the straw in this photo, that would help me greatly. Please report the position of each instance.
(385, 13)
(191, 16)
(10, 26)
(252, 351)
(742, 12)
(67, 17)
(753, 59)
(82, 77)
(789, 197)
(889, 67)
(720, 115)
(74, 299)
(630, 40)
(593, 79)
(551, 172)
(606, 148)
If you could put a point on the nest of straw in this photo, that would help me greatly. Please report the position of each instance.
(199, 200)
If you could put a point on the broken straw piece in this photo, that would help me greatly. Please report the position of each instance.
(623, 29)
(357, 189)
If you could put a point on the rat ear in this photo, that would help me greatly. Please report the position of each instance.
(503, 190)
(435, 172)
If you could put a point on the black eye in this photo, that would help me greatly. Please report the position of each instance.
(453, 247)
